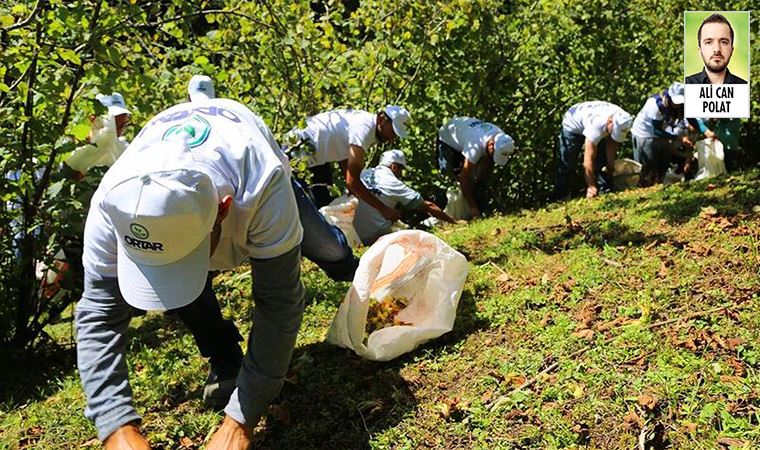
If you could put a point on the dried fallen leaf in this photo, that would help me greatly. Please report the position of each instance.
(710, 187)
(515, 379)
(691, 427)
(186, 442)
(648, 401)
(731, 379)
(723, 223)
(586, 334)
(588, 313)
(516, 415)
(737, 366)
(496, 232)
(487, 396)
(613, 323)
(732, 343)
(503, 278)
(689, 344)
(633, 420)
(452, 409)
(731, 442)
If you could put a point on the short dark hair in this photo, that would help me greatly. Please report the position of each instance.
(714, 18)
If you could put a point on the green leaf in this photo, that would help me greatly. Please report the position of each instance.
(7, 20)
(69, 55)
(80, 131)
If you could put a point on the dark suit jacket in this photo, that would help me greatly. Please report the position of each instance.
(701, 78)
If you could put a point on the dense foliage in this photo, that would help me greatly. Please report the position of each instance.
(519, 64)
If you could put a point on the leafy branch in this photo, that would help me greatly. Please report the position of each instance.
(24, 22)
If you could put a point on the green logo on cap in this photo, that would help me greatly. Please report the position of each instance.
(138, 231)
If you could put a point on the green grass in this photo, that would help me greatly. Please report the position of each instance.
(582, 298)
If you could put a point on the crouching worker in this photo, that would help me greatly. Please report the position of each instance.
(467, 149)
(384, 181)
(654, 134)
(200, 189)
(594, 130)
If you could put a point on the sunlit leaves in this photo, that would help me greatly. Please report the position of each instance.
(69, 55)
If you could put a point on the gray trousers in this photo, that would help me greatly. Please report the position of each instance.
(102, 317)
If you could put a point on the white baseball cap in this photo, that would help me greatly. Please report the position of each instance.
(676, 93)
(621, 124)
(163, 209)
(200, 88)
(399, 116)
(503, 144)
(114, 102)
(393, 156)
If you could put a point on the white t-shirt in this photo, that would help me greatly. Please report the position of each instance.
(468, 136)
(643, 126)
(368, 222)
(589, 119)
(244, 161)
(332, 132)
(105, 149)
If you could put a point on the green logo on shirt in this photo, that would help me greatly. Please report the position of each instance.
(194, 131)
(138, 231)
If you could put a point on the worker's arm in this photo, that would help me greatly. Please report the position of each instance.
(352, 172)
(611, 153)
(433, 210)
(466, 184)
(589, 156)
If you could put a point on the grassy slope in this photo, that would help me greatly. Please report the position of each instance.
(543, 286)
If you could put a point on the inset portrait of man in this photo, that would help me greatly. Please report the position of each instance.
(715, 39)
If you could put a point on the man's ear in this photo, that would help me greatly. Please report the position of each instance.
(224, 208)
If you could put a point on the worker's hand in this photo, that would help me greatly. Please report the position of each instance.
(688, 165)
(687, 142)
(127, 437)
(592, 192)
(232, 435)
(391, 214)
(710, 134)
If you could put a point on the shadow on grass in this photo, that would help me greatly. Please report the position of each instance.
(559, 238)
(597, 234)
(681, 204)
(30, 377)
(340, 400)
